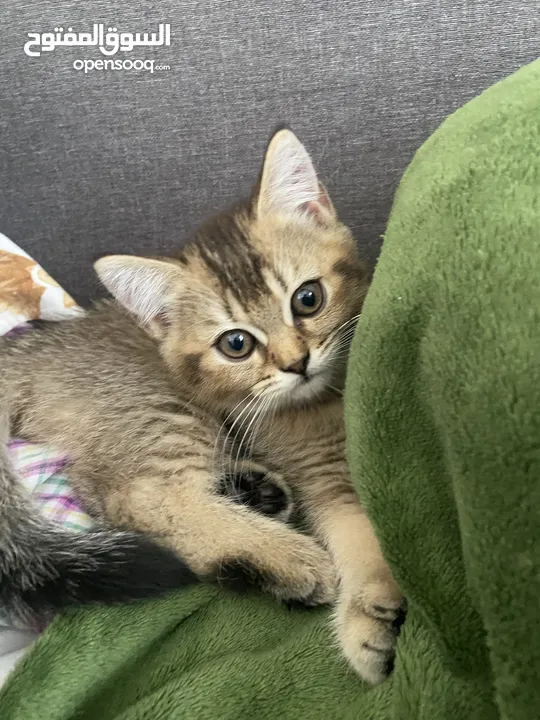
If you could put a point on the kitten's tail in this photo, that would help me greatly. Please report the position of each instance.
(44, 568)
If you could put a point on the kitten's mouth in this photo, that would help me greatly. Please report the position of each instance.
(308, 386)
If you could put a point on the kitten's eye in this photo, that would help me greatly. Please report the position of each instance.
(236, 344)
(308, 299)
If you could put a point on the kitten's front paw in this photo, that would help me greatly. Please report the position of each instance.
(367, 627)
(296, 570)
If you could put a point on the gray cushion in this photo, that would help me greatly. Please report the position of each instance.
(131, 161)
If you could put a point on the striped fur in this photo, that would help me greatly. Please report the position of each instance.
(154, 416)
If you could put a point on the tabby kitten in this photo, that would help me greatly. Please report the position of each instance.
(228, 356)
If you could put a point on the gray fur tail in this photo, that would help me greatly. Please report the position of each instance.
(44, 568)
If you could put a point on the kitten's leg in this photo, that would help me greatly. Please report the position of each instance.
(369, 603)
(221, 539)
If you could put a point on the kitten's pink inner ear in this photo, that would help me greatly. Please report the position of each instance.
(322, 208)
(162, 319)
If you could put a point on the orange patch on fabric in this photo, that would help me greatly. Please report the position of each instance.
(18, 292)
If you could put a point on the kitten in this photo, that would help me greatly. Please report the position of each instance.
(227, 358)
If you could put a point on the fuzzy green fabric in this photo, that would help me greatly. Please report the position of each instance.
(443, 412)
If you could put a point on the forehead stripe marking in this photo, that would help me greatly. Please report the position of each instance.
(274, 284)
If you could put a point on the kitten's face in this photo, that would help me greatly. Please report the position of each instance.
(279, 333)
(261, 306)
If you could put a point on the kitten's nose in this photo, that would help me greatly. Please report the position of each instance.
(299, 367)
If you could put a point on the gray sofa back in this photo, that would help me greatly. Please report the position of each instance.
(131, 160)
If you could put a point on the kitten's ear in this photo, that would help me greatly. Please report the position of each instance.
(142, 285)
(289, 185)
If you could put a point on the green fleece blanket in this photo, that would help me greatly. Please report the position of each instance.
(443, 411)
